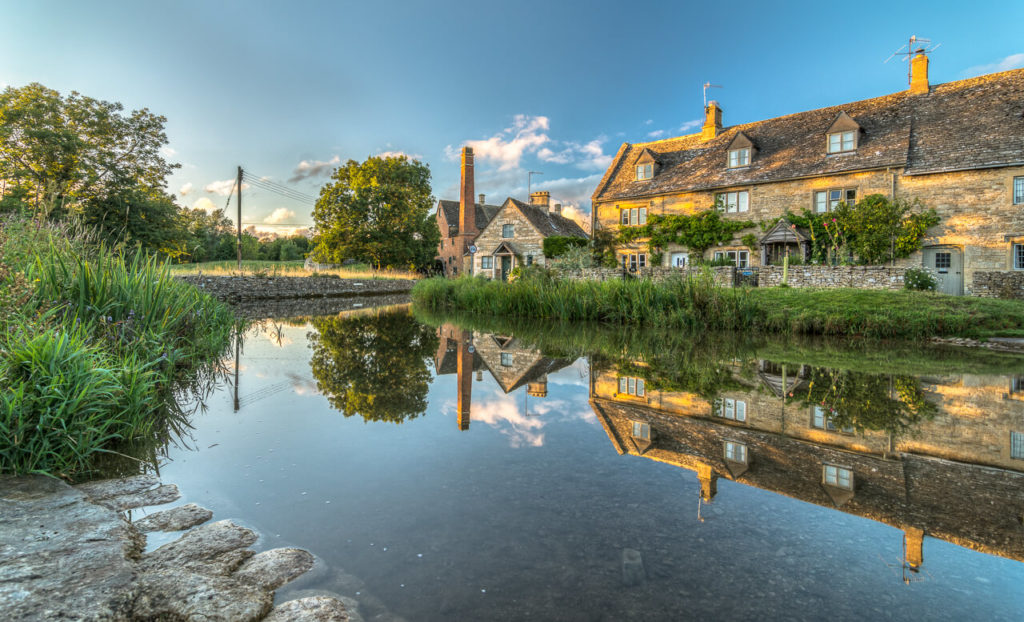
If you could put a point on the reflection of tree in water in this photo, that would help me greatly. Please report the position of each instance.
(889, 402)
(373, 365)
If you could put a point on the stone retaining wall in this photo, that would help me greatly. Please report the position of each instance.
(723, 275)
(861, 277)
(991, 284)
(242, 288)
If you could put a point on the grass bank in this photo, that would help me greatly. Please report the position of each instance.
(695, 303)
(287, 268)
(93, 345)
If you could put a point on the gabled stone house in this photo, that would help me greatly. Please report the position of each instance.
(957, 147)
(477, 238)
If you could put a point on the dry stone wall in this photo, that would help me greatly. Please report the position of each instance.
(723, 276)
(242, 288)
(861, 277)
(993, 284)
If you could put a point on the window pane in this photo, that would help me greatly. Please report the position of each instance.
(851, 197)
(818, 418)
(1017, 445)
(819, 202)
(847, 141)
(625, 217)
(643, 216)
(640, 387)
(734, 158)
(743, 259)
(833, 143)
(642, 259)
(1018, 256)
(633, 216)
(1018, 190)
(744, 157)
(741, 411)
(622, 385)
(719, 255)
(730, 409)
(744, 201)
(632, 386)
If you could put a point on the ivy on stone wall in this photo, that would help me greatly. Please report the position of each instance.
(697, 232)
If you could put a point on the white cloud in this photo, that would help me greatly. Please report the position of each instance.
(280, 215)
(186, 189)
(168, 152)
(594, 156)
(314, 168)
(582, 218)
(204, 204)
(689, 125)
(223, 187)
(1013, 61)
(656, 134)
(561, 157)
(396, 154)
(648, 121)
(507, 147)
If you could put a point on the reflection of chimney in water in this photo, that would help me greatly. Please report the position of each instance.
(708, 482)
(465, 378)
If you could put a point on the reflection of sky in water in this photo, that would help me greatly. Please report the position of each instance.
(527, 516)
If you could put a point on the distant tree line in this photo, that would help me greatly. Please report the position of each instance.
(73, 156)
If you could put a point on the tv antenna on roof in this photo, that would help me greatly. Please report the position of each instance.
(708, 85)
(915, 45)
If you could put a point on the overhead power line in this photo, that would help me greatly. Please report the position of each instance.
(276, 188)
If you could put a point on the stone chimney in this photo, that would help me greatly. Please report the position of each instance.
(467, 211)
(538, 388)
(919, 72)
(481, 197)
(540, 198)
(556, 209)
(712, 121)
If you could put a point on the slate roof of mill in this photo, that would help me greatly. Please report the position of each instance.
(968, 124)
(484, 213)
(547, 223)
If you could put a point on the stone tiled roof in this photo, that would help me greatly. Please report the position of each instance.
(484, 213)
(547, 223)
(975, 123)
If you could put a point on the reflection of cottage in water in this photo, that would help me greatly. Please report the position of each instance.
(511, 364)
(956, 477)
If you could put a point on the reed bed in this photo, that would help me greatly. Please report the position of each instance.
(696, 303)
(91, 356)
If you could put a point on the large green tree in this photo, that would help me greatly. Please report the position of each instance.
(377, 211)
(374, 365)
(66, 150)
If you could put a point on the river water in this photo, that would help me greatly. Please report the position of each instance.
(444, 469)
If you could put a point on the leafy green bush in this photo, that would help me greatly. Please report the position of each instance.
(557, 245)
(919, 279)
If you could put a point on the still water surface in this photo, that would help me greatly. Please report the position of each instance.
(442, 473)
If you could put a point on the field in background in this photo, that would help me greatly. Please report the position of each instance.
(286, 268)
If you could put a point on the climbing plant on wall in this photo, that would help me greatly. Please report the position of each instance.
(697, 232)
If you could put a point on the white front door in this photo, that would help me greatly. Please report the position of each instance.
(679, 260)
(947, 265)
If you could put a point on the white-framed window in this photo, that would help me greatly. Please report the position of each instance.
(1018, 256)
(1017, 445)
(630, 385)
(840, 142)
(634, 261)
(739, 157)
(507, 360)
(644, 171)
(634, 216)
(840, 477)
(732, 409)
(641, 430)
(1018, 190)
(508, 231)
(486, 262)
(733, 202)
(829, 200)
(680, 260)
(821, 418)
(740, 258)
(736, 452)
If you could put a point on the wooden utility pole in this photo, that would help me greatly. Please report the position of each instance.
(239, 245)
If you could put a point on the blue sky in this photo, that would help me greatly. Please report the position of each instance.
(286, 89)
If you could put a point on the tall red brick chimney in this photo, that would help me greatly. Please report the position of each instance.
(467, 209)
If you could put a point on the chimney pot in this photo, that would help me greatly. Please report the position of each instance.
(482, 199)
(919, 73)
(556, 209)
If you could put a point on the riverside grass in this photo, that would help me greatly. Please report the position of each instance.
(90, 361)
(696, 303)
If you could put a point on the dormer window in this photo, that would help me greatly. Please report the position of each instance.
(843, 135)
(840, 477)
(841, 142)
(739, 157)
(644, 171)
(646, 165)
(735, 452)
